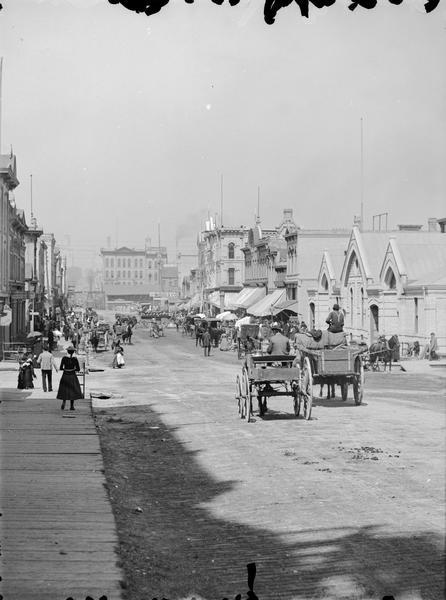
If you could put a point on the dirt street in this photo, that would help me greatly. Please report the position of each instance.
(348, 505)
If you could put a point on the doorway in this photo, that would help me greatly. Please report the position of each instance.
(374, 323)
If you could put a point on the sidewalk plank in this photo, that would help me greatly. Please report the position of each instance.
(57, 528)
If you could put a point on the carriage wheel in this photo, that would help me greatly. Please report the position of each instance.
(358, 383)
(247, 396)
(307, 389)
(344, 390)
(238, 395)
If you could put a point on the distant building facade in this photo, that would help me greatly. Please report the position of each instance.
(133, 275)
(221, 265)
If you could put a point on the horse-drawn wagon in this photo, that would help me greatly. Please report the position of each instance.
(264, 376)
(340, 365)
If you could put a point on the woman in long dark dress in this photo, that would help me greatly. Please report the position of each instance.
(26, 375)
(69, 387)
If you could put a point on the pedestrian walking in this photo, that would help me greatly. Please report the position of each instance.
(69, 387)
(50, 339)
(94, 339)
(118, 356)
(206, 342)
(46, 362)
(26, 374)
(198, 335)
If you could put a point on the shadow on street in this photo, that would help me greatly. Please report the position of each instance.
(171, 545)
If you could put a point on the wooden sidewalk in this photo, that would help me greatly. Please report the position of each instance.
(57, 529)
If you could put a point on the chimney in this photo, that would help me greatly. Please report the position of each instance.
(287, 214)
(432, 224)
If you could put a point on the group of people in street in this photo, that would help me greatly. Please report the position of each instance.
(69, 387)
(228, 335)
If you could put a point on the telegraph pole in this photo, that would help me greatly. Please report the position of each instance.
(362, 176)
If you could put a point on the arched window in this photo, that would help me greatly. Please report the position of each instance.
(390, 279)
(231, 250)
(231, 276)
(324, 282)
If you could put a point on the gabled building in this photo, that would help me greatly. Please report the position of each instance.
(389, 283)
(304, 250)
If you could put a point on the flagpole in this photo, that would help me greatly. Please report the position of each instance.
(221, 200)
(362, 176)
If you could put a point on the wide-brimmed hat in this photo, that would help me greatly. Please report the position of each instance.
(276, 326)
(70, 349)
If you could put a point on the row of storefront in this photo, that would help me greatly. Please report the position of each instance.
(32, 270)
(386, 282)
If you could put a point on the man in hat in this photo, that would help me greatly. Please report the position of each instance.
(278, 343)
(335, 320)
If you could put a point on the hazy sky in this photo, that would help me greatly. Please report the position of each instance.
(125, 119)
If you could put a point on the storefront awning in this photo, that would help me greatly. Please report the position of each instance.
(248, 296)
(229, 298)
(265, 306)
(288, 305)
(195, 301)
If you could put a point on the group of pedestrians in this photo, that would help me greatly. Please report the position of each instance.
(69, 388)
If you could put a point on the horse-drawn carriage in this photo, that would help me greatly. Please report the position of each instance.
(264, 376)
(189, 325)
(102, 334)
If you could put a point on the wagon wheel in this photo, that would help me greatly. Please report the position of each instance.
(247, 396)
(306, 389)
(344, 390)
(358, 382)
(238, 395)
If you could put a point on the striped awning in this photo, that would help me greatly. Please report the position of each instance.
(265, 307)
(248, 296)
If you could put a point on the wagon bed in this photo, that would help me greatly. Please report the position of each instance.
(341, 365)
